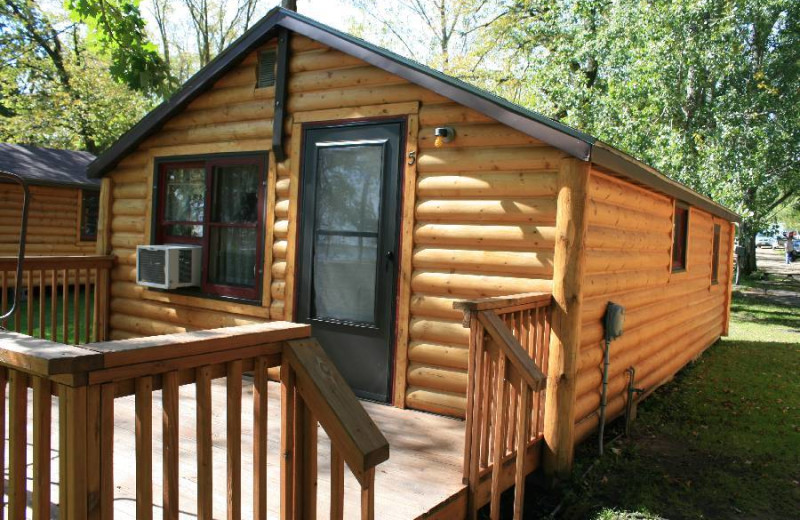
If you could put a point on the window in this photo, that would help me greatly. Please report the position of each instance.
(266, 69)
(679, 235)
(715, 255)
(217, 203)
(90, 206)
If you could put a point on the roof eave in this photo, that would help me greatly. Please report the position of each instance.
(195, 86)
(608, 157)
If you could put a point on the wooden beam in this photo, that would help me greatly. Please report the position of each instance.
(569, 260)
(406, 254)
(103, 246)
(281, 82)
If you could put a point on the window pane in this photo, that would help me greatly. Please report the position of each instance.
(679, 239)
(344, 277)
(90, 204)
(185, 194)
(349, 188)
(235, 193)
(232, 256)
(184, 230)
(346, 234)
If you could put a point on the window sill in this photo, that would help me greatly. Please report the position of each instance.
(197, 293)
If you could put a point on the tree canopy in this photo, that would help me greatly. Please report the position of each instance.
(704, 90)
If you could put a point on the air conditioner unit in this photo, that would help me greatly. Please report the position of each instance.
(168, 266)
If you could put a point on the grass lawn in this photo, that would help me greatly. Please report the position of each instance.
(720, 441)
(23, 314)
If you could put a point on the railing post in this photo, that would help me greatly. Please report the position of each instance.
(568, 267)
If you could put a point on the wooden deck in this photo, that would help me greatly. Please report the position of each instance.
(422, 476)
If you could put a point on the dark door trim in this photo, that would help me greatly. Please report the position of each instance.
(394, 264)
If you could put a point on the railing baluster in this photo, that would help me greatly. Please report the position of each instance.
(107, 395)
(86, 306)
(53, 305)
(17, 445)
(368, 495)
(144, 447)
(65, 306)
(309, 465)
(29, 303)
(171, 460)
(76, 311)
(72, 423)
(18, 312)
(3, 381)
(523, 424)
(205, 468)
(42, 298)
(94, 448)
(41, 448)
(337, 484)
(287, 441)
(488, 400)
(234, 440)
(260, 432)
(499, 425)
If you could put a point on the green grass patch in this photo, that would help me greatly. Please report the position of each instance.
(720, 441)
(34, 302)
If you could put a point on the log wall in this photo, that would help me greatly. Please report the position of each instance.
(670, 319)
(53, 221)
(482, 223)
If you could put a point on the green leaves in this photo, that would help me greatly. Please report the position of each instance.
(118, 29)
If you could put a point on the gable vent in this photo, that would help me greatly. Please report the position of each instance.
(266, 69)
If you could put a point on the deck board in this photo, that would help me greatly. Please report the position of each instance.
(423, 470)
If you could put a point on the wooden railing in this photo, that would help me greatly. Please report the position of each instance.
(508, 349)
(61, 298)
(92, 380)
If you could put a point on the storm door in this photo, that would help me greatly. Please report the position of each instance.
(347, 252)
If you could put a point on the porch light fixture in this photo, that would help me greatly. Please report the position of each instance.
(444, 134)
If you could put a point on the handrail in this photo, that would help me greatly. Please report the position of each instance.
(509, 335)
(75, 287)
(88, 379)
(513, 350)
(37, 263)
(504, 302)
(336, 407)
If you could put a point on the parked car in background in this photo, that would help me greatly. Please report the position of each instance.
(765, 241)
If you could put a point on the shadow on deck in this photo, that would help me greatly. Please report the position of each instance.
(422, 478)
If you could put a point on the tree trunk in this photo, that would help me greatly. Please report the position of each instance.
(747, 239)
(289, 4)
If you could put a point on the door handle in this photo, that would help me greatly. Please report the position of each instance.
(390, 256)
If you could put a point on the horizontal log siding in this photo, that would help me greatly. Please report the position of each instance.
(670, 317)
(485, 210)
(485, 226)
(52, 221)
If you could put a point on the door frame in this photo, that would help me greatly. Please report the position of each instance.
(407, 115)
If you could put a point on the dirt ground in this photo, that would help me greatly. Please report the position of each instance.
(773, 262)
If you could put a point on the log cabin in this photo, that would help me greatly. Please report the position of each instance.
(62, 217)
(451, 252)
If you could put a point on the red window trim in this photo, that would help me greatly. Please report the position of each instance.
(84, 237)
(208, 164)
(715, 248)
(680, 239)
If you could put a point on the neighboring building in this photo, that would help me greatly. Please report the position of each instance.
(62, 218)
(305, 164)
